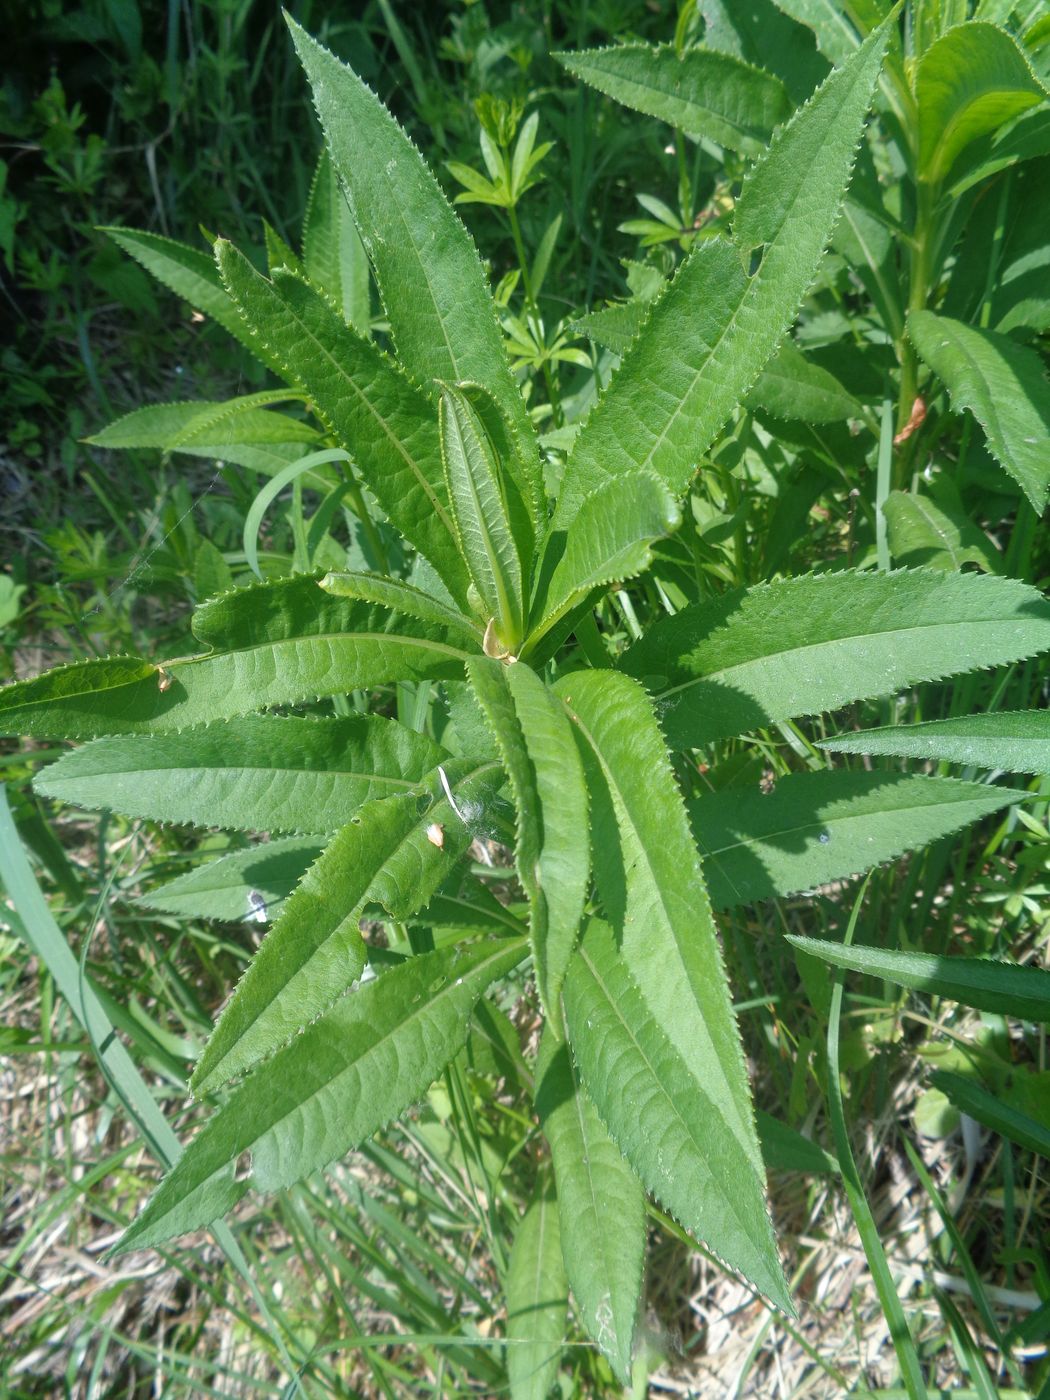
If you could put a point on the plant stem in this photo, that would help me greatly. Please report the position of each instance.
(534, 312)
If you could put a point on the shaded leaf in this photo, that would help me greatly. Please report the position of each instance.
(1017, 742)
(222, 889)
(817, 827)
(537, 1302)
(601, 1206)
(1004, 386)
(812, 643)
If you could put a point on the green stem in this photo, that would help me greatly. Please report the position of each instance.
(922, 244)
(534, 312)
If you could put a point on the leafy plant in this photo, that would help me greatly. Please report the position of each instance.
(487, 562)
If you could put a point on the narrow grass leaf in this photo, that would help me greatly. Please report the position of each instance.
(537, 1299)
(256, 773)
(988, 1108)
(818, 827)
(346, 1076)
(799, 646)
(601, 1207)
(663, 1117)
(984, 983)
(1004, 386)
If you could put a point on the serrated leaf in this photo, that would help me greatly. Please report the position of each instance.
(601, 1207)
(347, 1075)
(401, 597)
(537, 1301)
(430, 277)
(1004, 386)
(221, 889)
(760, 34)
(614, 327)
(333, 255)
(714, 328)
(314, 950)
(971, 81)
(791, 387)
(987, 984)
(611, 539)
(662, 1117)
(206, 428)
(552, 846)
(818, 827)
(648, 874)
(482, 509)
(278, 643)
(257, 773)
(386, 424)
(831, 24)
(191, 274)
(799, 646)
(922, 532)
(1017, 742)
(701, 92)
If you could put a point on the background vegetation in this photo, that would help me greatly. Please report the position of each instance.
(377, 1279)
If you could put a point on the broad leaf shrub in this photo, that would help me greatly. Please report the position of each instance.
(488, 568)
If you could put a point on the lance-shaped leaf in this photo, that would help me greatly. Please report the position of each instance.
(482, 509)
(1016, 741)
(610, 540)
(241, 430)
(923, 531)
(404, 598)
(832, 26)
(1004, 386)
(257, 773)
(701, 92)
(663, 1117)
(648, 873)
(279, 643)
(970, 82)
(709, 335)
(601, 1207)
(252, 884)
(430, 277)
(791, 387)
(191, 274)
(546, 777)
(346, 1076)
(333, 255)
(314, 950)
(385, 423)
(803, 645)
(537, 1298)
(988, 984)
(817, 827)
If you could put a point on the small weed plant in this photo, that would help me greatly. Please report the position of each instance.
(397, 724)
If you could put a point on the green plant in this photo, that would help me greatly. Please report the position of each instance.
(640, 1082)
